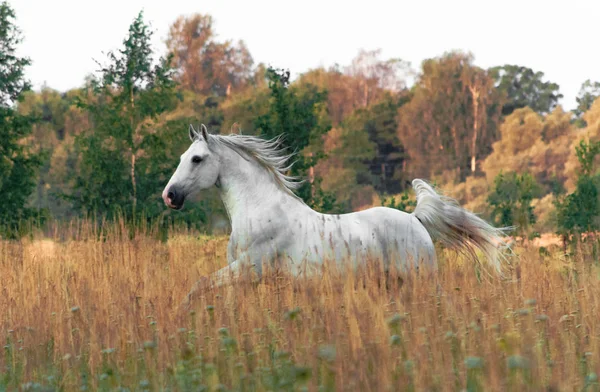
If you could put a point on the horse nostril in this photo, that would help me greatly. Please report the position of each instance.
(171, 195)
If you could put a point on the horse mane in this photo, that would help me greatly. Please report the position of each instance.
(267, 153)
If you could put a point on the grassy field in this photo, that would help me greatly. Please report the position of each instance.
(98, 311)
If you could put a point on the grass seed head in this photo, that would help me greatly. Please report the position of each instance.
(530, 302)
(541, 318)
(396, 319)
(327, 353)
(474, 363)
(149, 345)
(517, 362)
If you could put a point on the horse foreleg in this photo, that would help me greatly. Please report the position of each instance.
(225, 276)
(217, 279)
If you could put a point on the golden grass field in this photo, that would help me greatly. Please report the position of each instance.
(98, 311)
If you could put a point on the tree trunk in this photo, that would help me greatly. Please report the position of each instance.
(475, 95)
(474, 150)
(311, 177)
(133, 137)
(133, 183)
(475, 132)
(457, 149)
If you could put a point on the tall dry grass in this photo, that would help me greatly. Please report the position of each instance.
(98, 310)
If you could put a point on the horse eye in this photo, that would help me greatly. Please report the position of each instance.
(196, 159)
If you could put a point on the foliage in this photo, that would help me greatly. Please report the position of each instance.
(324, 201)
(205, 66)
(579, 211)
(525, 88)
(588, 93)
(586, 154)
(405, 203)
(299, 114)
(123, 158)
(358, 131)
(378, 123)
(374, 78)
(18, 162)
(537, 144)
(520, 130)
(511, 199)
(451, 119)
(57, 120)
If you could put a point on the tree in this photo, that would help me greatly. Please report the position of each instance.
(50, 109)
(588, 93)
(120, 157)
(511, 201)
(479, 86)
(519, 131)
(557, 124)
(203, 65)
(244, 107)
(18, 165)
(299, 113)
(373, 76)
(379, 124)
(579, 211)
(406, 203)
(523, 87)
(57, 121)
(342, 97)
(452, 118)
(345, 169)
(366, 81)
(534, 143)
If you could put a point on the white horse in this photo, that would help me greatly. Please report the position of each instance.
(270, 223)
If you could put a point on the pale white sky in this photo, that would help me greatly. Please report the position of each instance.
(559, 38)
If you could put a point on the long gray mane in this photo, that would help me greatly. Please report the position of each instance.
(267, 153)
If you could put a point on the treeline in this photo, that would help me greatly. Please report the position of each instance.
(495, 138)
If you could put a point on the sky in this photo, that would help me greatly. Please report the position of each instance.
(63, 37)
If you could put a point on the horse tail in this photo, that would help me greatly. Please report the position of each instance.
(458, 229)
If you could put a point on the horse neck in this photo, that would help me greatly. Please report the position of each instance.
(247, 189)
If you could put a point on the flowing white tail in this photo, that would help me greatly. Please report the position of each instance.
(459, 229)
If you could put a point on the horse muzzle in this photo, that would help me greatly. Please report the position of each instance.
(174, 197)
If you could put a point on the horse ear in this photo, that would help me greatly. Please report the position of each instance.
(193, 133)
(204, 131)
